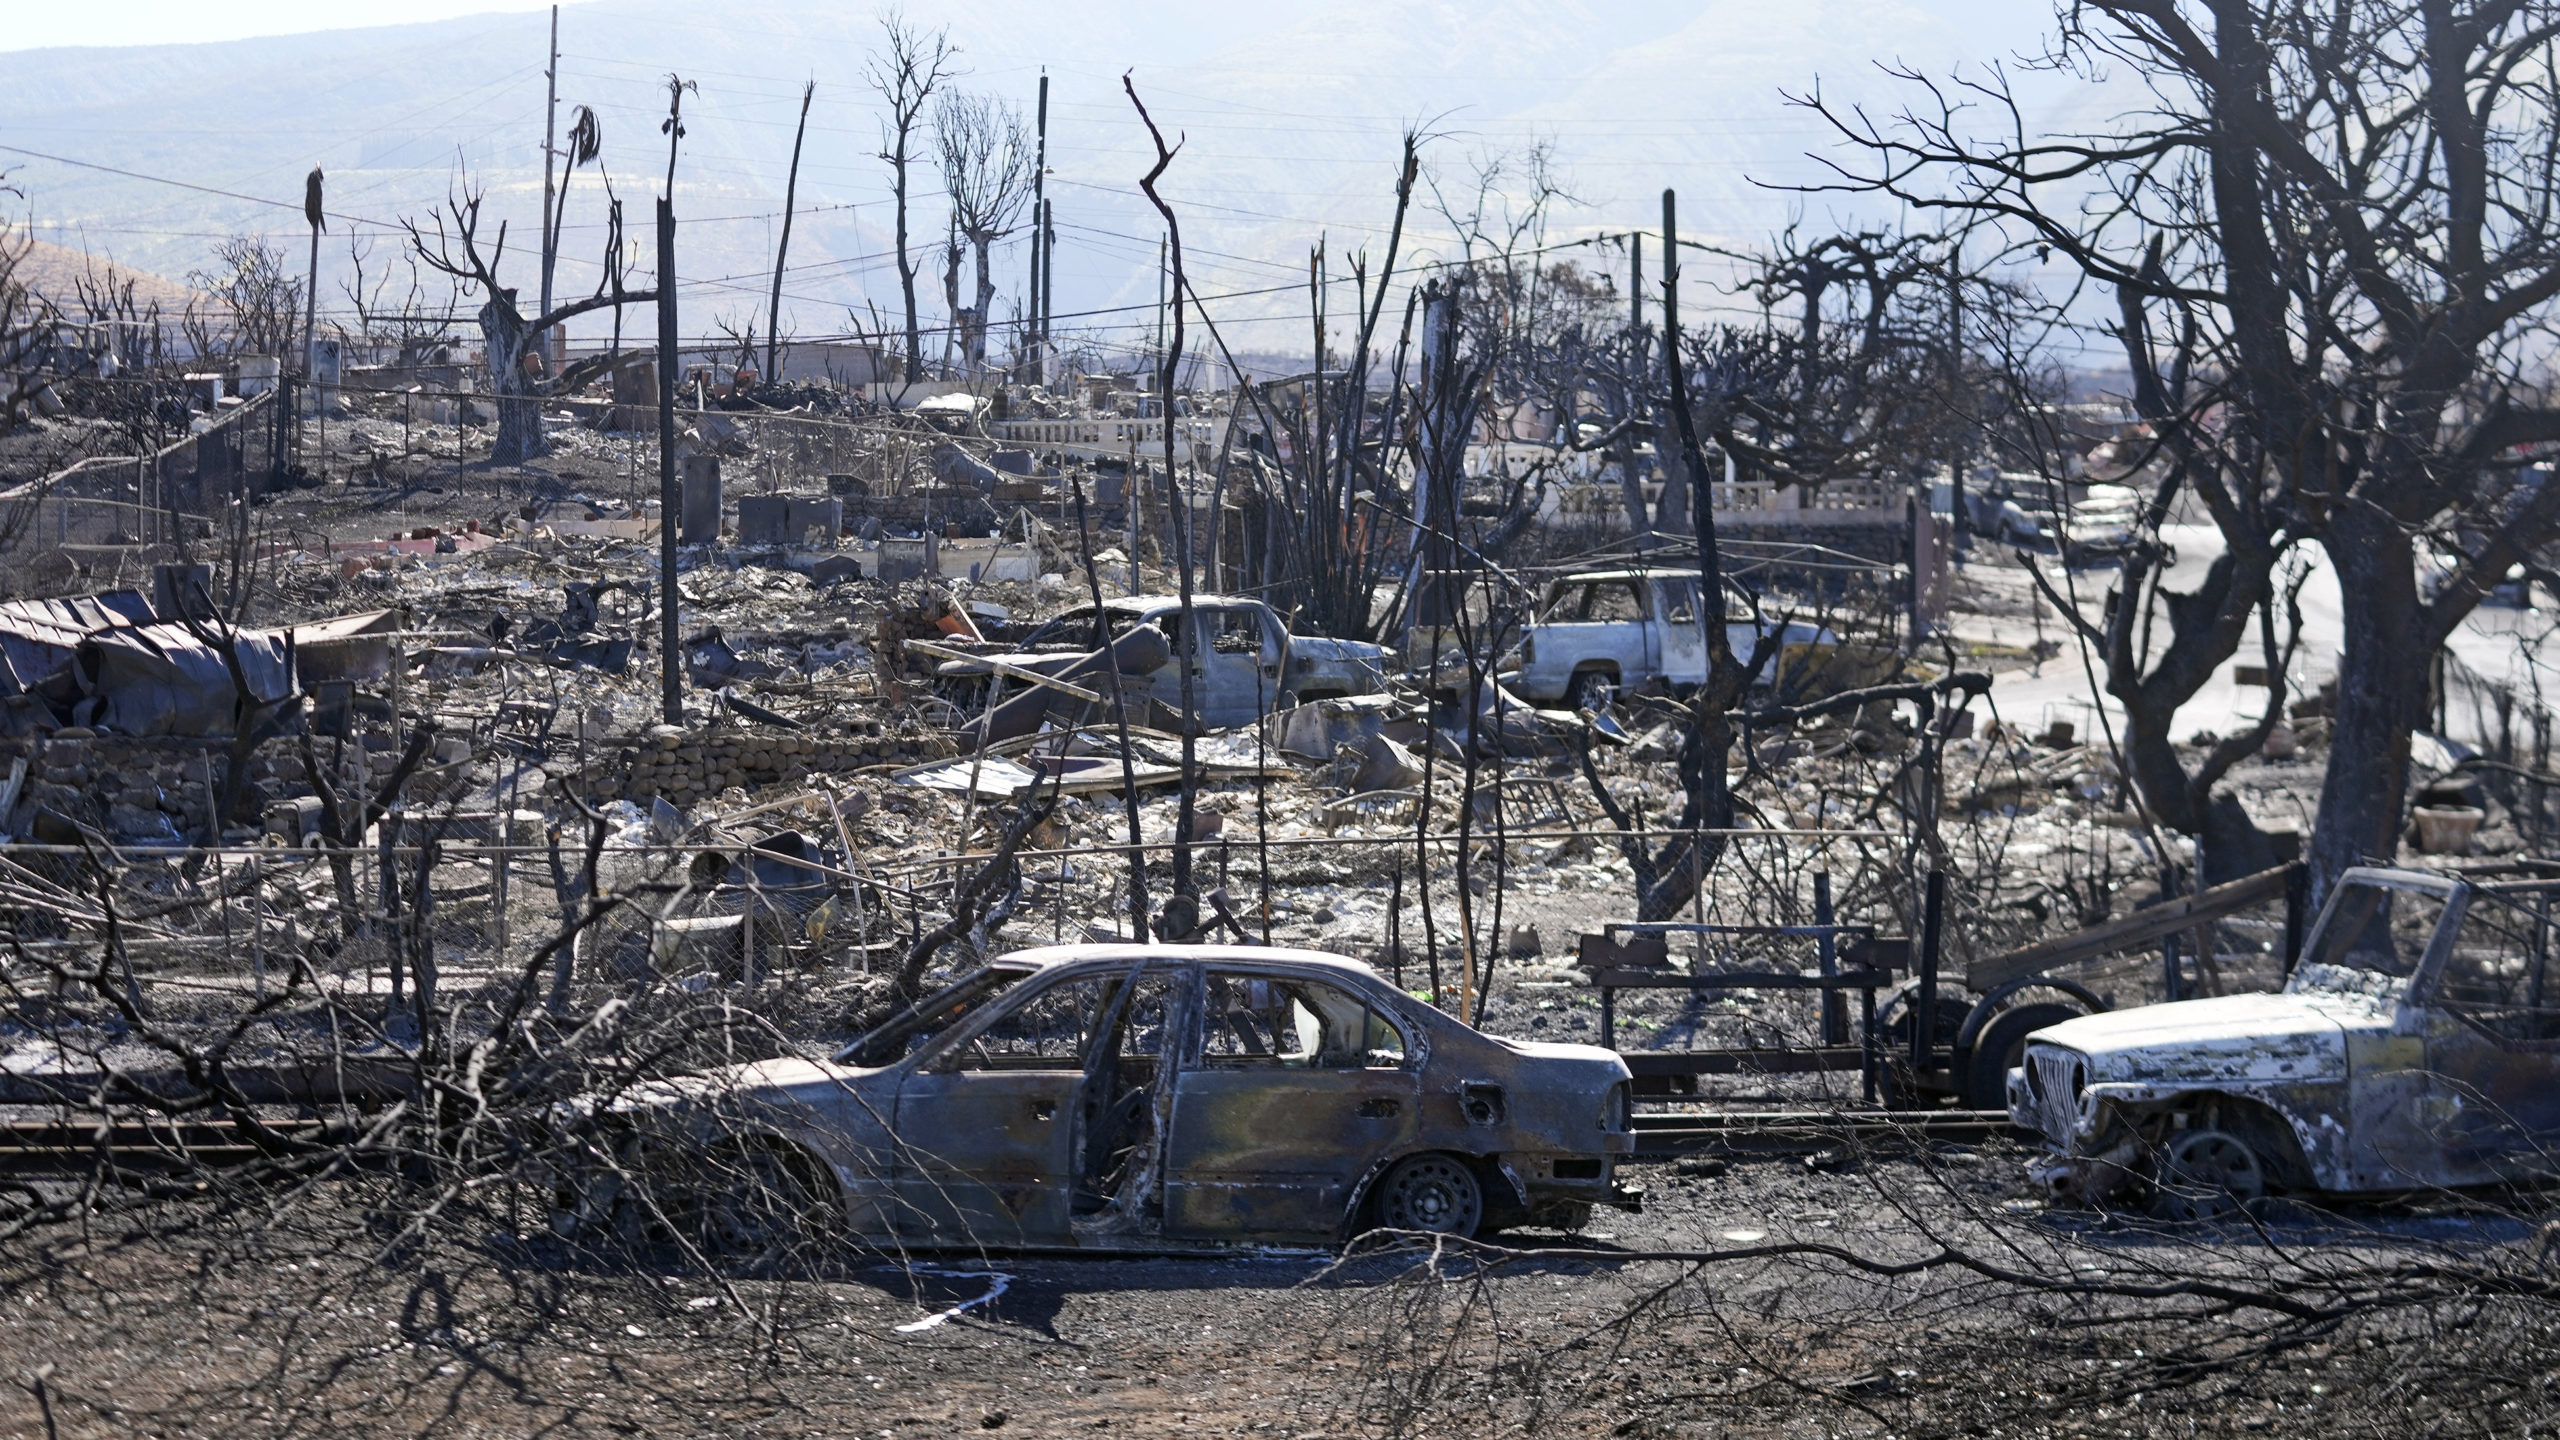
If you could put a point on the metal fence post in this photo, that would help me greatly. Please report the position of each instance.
(1924, 1017)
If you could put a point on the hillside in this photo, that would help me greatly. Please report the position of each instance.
(1290, 126)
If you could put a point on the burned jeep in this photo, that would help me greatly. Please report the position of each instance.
(2415, 1045)
(1118, 1097)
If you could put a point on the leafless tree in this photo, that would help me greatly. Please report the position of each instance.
(2335, 253)
(27, 326)
(125, 331)
(257, 301)
(409, 325)
(737, 340)
(986, 157)
(906, 77)
(508, 332)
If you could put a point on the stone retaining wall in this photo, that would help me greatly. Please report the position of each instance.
(688, 766)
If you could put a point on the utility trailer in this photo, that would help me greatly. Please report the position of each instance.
(1921, 1040)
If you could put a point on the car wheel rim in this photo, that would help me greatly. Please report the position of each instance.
(1432, 1194)
(2211, 1174)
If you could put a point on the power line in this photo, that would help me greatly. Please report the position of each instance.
(200, 189)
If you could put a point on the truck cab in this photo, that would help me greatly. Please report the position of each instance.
(1244, 662)
(1598, 633)
(2415, 1045)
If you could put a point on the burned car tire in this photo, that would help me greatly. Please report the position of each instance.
(2207, 1174)
(1590, 690)
(1435, 1193)
(754, 1203)
(1997, 1050)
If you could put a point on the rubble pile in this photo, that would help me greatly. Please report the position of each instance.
(686, 768)
(904, 743)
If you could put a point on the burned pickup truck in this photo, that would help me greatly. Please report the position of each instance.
(1244, 662)
(1122, 1097)
(2416, 1045)
(1599, 633)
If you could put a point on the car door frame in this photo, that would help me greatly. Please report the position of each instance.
(1232, 691)
(2473, 1069)
(1023, 1194)
(1660, 635)
(1227, 1120)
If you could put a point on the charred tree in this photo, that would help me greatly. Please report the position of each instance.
(510, 335)
(986, 155)
(906, 77)
(2340, 217)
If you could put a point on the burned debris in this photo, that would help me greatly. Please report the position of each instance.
(1589, 836)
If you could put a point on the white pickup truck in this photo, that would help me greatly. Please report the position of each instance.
(2416, 1046)
(1598, 633)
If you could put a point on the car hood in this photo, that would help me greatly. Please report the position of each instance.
(2285, 1038)
(760, 1081)
(1310, 647)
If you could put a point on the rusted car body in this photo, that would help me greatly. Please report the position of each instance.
(1244, 662)
(1120, 1097)
(2416, 1045)
(1599, 633)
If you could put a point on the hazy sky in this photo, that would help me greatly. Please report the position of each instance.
(181, 22)
(1290, 122)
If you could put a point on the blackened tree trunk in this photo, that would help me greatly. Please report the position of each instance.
(2382, 693)
(507, 338)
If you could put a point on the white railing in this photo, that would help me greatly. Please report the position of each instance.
(1754, 502)
(1107, 436)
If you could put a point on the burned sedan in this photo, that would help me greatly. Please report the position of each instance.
(2416, 1044)
(1148, 1097)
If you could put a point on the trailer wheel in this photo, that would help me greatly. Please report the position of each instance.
(1999, 1047)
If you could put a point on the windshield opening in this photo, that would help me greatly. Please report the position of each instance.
(920, 1024)
(2379, 930)
(2497, 971)
(1595, 601)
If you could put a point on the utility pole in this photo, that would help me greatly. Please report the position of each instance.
(669, 502)
(312, 212)
(1048, 239)
(550, 130)
(1640, 517)
(1710, 564)
(311, 321)
(1635, 282)
(1956, 451)
(790, 193)
(1039, 216)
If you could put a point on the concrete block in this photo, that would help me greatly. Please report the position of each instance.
(762, 520)
(916, 559)
(806, 515)
(699, 522)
